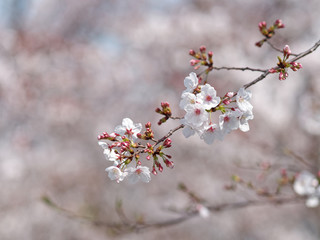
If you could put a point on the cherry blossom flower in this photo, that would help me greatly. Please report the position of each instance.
(210, 133)
(196, 115)
(243, 123)
(209, 96)
(128, 128)
(191, 82)
(110, 155)
(141, 173)
(114, 173)
(188, 131)
(229, 121)
(188, 98)
(204, 212)
(306, 184)
(243, 98)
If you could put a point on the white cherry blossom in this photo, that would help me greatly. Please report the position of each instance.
(306, 184)
(210, 133)
(110, 155)
(188, 98)
(188, 131)
(229, 121)
(191, 82)
(128, 128)
(209, 96)
(140, 173)
(196, 115)
(243, 97)
(114, 173)
(243, 123)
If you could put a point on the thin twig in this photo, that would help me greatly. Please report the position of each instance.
(169, 134)
(240, 68)
(216, 208)
(278, 49)
(300, 55)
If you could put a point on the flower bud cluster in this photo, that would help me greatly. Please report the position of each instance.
(122, 147)
(268, 32)
(201, 101)
(165, 110)
(201, 58)
(283, 65)
(306, 184)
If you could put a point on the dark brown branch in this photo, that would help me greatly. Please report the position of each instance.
(239, 68)
(300, 55)
(169, 134)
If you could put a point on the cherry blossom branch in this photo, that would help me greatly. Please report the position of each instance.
(278, 49)
(300, 55)
(240, 68)
(127, 226)
(169, 134)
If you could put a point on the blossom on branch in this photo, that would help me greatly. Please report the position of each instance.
(140, 173)
(306, 184)
(128, 128)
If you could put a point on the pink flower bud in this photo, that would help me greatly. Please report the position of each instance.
(229, 94)
(283, 172)
(210, 54)
(262, 25)
(154, 172)
(192, 52)
(148, 125)
(226, 101)
(148, 157)
(167, 143)
(286, 51)
(194, 62)
(272, 70)
(203, 49)
(278, 23)
(165, 104)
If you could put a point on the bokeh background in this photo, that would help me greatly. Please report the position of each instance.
(70, 70)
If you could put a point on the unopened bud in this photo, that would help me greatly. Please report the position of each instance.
(286, 51)
(154, 171)
(165, 104)
(194, 62)
(278, 23)
(262, 25)
(148, 125)
(272, 70)
(192, 52)
(203, 49)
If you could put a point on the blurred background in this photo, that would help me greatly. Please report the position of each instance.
(70, 70)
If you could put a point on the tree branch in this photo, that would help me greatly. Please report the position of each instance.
(300, 55)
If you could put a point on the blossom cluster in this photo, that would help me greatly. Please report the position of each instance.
(283, 65)
(120, 153)
(126, 148)
(306, 184)
(201, 101)
(268, 32)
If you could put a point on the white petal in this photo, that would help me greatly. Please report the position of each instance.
(102, 144)
(312, 202)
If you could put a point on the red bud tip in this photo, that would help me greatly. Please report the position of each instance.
(203, 49)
